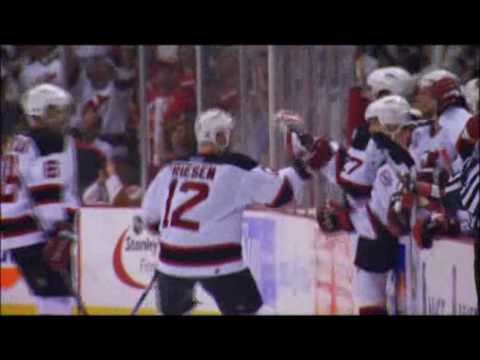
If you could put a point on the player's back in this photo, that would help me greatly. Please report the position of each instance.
(200, 200)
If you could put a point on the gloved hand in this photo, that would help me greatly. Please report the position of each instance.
(425, 230)
(429, 159)
(333, 217)
(314, 159)
(446, 91)
(297, 145)
(321, 152)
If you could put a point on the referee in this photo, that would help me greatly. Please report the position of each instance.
(470, 194)
(464, 187)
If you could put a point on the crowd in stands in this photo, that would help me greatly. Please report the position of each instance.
(104, 82)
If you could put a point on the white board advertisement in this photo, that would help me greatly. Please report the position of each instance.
(447, 284)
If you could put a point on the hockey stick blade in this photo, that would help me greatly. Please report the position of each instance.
(81, 306)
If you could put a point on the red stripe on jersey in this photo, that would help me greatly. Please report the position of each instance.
(17, 226)
(350, 186)
(354, 189)
(200, 256)
(10, 234)
(378, 226)
(45, 187)
(285, 195)
(206, 263)
(200, 248)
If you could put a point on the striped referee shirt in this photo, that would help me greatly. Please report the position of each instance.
(466, 183)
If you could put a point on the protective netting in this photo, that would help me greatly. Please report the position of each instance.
(311, 80)
(314, 81)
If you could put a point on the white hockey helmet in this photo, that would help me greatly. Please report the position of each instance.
(38, 99)
(392, 112)
(212, 122)
(470, 90)
(428, 79)
(393, 79)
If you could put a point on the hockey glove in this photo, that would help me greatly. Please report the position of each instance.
(320, 154)
(425, 230)
(446, 91)
(333, 217)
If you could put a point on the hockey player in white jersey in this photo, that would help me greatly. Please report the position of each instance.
(438, 146)
(440, 96)
(364, 157)
(384, 217)
(354, 169)
(37, 188)
(196, 204)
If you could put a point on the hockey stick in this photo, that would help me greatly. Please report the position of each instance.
(67, 277)
(81, 306)
(144, 294)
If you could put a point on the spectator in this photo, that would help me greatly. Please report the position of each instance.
(226, 88)
(9, 106)
(91, 161)
(43, 63)
(107, 90)
(90, 131)
(179, 137)
(115, 185)
(167, 97)
(85, 52)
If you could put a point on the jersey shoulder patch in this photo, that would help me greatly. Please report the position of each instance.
(385, 176)
(47, 142)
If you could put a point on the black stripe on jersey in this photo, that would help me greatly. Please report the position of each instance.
(18, 226)
(301, 170)
(469, 201)
(47, 141)
(284, 196)
(470, 184)
(200, 256)
(46, 194)
(424, 123)
(397, 153)
(361, 137)
(470, 191)
(469, 181)
(228, 158)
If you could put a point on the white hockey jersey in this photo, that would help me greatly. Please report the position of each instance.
(453, 121)
(198, 204)
(369, 217)
(357, 174)
(38, 188)
(425, 140)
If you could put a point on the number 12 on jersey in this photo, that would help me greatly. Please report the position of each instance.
(201, 193)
